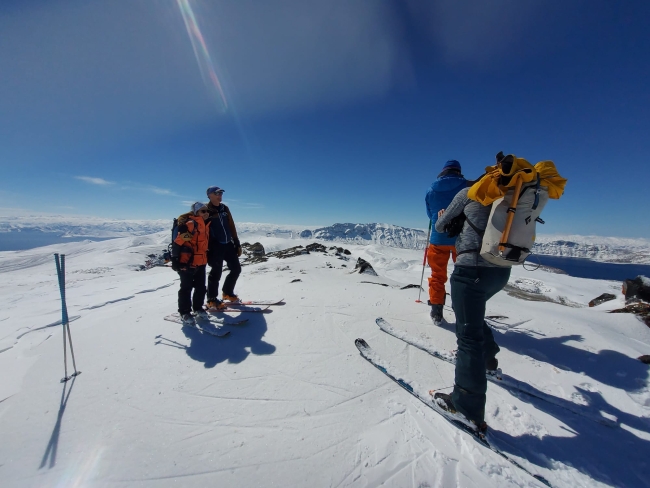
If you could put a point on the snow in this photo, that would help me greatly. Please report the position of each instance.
(286, 399)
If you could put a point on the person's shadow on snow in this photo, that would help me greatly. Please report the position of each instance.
(612, 455)
(589, 447)
(605, 366)
(243, 340)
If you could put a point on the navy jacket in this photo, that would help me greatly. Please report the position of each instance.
(439, 196)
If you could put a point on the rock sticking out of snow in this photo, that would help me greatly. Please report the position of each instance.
(605, 297)
(636, 289)
(364, 267)
(640, 309)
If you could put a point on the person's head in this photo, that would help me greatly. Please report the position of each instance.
(215, 194)
(199, 209)
(451, 167)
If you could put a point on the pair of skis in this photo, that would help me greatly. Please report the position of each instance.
(423, 395)
(497, 377)
(212, 326)
(256, 306)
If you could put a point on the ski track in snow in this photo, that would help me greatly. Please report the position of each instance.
(286, 399)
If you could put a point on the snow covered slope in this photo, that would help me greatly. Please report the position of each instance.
(286, 400)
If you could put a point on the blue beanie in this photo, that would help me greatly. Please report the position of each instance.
(452, 164)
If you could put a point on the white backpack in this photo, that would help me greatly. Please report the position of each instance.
(532, 199)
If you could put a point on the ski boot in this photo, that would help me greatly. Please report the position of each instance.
(230, 298)
(492, 368)
(444, 401)
(188, 320)
(215, 304)
(436, 314)
(201, 315)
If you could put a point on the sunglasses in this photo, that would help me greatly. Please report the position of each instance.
(203, 211)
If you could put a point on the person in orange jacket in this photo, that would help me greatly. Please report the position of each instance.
(192, 238)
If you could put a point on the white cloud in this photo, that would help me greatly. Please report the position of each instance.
(161, 191)
(94, 181)
(249, 205)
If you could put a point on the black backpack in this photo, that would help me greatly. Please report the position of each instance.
(177, 254)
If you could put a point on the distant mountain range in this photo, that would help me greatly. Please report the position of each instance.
(604, 249)
(72, 226)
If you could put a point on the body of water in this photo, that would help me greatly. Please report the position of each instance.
(29, 239)
(586, 268)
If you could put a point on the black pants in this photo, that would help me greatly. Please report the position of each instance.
(471, 288)
(216, 256)
(192, 278)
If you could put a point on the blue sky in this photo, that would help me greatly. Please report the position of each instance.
(338, 111)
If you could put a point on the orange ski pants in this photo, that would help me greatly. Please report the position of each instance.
(438, 257)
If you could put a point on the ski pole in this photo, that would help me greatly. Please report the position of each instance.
(424, 262)
(65, 322)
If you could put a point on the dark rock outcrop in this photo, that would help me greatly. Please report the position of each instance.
(289, 253)
(605, 297)
(640, 309)
(364, 267)
(637, 289)
(253, 253)
(316, 247)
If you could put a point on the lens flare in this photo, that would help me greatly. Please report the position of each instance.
(202, 55)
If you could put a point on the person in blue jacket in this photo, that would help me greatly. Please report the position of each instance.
(449, 182)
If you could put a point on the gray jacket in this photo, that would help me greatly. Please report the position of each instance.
(468, 239)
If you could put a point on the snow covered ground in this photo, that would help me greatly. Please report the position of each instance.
(286, 399)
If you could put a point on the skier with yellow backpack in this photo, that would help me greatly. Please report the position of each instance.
(498, 215)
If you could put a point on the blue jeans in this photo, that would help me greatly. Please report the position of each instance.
(471, 288)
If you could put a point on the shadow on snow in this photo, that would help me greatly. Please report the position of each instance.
(53, 444)
(243, 340)
(611, 455)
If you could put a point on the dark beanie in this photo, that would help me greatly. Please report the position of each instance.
(452, 164)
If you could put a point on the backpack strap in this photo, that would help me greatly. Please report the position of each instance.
(480, 232)
(537, 192)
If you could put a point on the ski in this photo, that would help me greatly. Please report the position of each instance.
(254, 302)
(226, 320)
(176, 318)
(215, 332)
(242, 308)
(505, 381)
(458, 421)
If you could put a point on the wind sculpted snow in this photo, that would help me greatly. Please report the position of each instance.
(286, 399)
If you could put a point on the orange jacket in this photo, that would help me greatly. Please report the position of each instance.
(196, 238)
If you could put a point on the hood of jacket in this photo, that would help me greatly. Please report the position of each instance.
(449, 182)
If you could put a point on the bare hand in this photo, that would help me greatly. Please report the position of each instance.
(440, 212)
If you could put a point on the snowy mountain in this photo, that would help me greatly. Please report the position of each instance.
(286, 399)
(383, 234)
(604, 249)
(79, 226)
